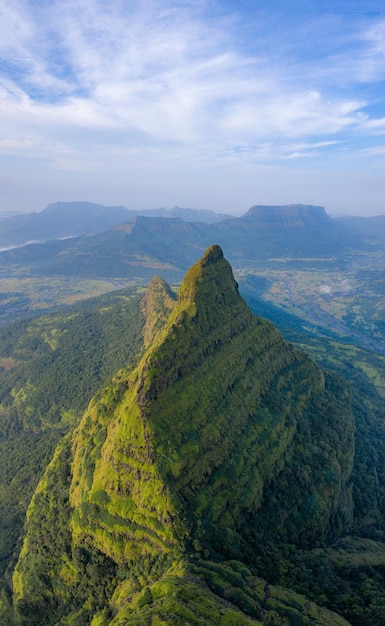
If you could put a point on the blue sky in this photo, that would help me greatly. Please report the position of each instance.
(199, 103)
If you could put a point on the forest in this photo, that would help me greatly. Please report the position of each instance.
(185, 428)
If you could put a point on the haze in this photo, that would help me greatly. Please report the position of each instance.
(217, 105)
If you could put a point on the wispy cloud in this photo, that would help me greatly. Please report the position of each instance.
(88, 81)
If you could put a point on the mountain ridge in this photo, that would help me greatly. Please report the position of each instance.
(138, 247)
(166, 474)
(70, 219)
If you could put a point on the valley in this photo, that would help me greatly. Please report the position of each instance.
(347, 301)
(282, 523)
(21, 296)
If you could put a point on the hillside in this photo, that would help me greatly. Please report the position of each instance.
(199, 474)
(371, 228)
(143, 245)
(69, 219)
(50, 367)
(60, 220)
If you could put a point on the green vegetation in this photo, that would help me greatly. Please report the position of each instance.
(57, 363)
(348, 577)
(211, 484)
(23, 295)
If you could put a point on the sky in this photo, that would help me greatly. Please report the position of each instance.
(199, 103)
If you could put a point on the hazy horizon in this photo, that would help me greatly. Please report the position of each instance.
(206, 104)
(4, 214)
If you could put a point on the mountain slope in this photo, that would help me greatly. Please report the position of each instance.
(371, 228)
(50, 367)
(287, 231)
(174, 476)
(135, 250)
(59, 220)
(145, 245)
(69, 219)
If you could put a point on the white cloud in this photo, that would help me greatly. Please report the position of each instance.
(372, 65)
(93, 86)
(170, 74)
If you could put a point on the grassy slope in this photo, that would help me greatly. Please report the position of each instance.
(56, 364)
(167, 470)
(352, 583)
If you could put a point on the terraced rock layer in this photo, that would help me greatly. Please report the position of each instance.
(182, 465)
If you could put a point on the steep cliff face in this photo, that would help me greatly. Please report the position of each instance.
(289, 216)
(169, 240)
(156, 307)
(223, 396)
(222, 437)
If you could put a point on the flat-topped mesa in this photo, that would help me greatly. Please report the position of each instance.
(289, 216)
(143, 225)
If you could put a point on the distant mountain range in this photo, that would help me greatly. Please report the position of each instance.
(137, 247)
(369, 228)
(70, 219)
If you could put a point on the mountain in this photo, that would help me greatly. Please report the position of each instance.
(289, 216)
(188, 215)
(371, 228)
(50, 367)
(199, 480)
(136, 249)
(60, 220)
(143, 244)
(287, 231)
(70, 219)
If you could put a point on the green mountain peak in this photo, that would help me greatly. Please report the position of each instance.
(208, 276)
(172, 469)
(156, 305)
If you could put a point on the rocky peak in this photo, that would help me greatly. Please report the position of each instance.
(190, 453)
(156, 305)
